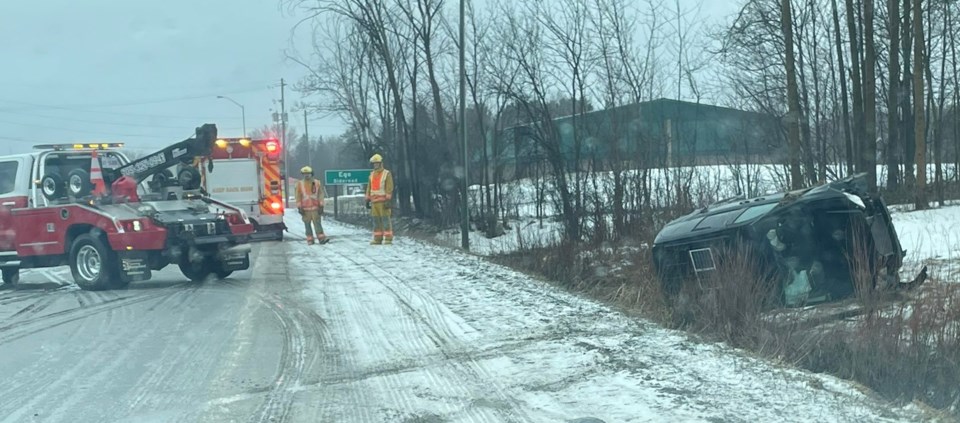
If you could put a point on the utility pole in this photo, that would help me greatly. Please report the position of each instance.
(306, 137)
(283, 142)
(464, 208)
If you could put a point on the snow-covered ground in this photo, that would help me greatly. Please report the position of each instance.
(928, 236)
(705, 184)
(931, 238)
(424, 332)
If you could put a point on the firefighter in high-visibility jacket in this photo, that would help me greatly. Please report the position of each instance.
(309, 192)
(379, 200)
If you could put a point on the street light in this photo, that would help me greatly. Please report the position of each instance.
(243, 112)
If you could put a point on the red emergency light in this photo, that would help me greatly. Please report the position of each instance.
(273, 150)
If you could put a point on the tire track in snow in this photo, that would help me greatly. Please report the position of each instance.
(419, 340)
(120, 347)
(170, 359)
(381, 349)
(112, 344)
(13, 331)
(33, 308)
(348, 364)
(279, 399)
(378, 343)
(444, 340)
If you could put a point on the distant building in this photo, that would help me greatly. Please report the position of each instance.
(652, 134)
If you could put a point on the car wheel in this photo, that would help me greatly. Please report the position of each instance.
(92, 263)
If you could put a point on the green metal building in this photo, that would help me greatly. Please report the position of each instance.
(658, 133)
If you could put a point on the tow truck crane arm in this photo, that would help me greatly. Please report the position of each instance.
(201, 145)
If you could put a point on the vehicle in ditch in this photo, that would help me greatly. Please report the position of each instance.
(814, 245)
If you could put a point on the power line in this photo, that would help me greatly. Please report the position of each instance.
(140, 102)
(93, 122)
(142, 115)
(100, 133)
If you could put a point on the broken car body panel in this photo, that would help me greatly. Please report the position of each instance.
(803, 239)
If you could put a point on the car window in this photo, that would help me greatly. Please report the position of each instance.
(8, 176)
(718, 220)
(754, 212)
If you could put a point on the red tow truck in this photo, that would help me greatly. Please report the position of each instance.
(114, 220)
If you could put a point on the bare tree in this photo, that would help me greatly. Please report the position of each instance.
(568, 40)
(919, 60)
(869, 150)
(793, 100)
(522, 40)
(893, 101)
(845, 126)
(857, 84)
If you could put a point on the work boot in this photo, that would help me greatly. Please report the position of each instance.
(310, 240)
(388, 238)
(322, 239)
(377, 240)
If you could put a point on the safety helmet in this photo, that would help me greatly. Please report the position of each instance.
(306, 169)
(376, 159)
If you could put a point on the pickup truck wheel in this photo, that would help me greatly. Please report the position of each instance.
(92, 263)
(196, 271)
(11, 276)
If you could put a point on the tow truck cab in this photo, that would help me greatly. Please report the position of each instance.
(51, 214)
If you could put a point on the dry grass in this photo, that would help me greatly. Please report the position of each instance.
(907, 350)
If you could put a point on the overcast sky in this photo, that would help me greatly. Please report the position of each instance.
(147, 72)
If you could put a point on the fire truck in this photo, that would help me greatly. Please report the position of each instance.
(114, 220)
(247, 175)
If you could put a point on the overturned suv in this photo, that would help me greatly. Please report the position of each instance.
(812, 244)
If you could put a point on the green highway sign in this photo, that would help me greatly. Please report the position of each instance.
(347, 177)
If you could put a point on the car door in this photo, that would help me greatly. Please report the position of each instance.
(13, 194)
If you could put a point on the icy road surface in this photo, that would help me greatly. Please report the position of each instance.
(348, 332)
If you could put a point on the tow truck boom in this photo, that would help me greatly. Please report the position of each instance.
(184, 152)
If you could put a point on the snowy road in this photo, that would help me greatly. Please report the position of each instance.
(349, 332)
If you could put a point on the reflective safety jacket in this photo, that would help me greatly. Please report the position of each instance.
(309, 195)
(380, 187)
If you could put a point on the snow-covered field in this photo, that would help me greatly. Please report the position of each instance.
(928, 236)
(447, 336)
(932, 238)
(705, 184)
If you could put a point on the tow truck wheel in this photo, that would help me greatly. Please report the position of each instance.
(52, 186)
(223, 274)
(11, 276)
(196, 271)
(91, 263)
